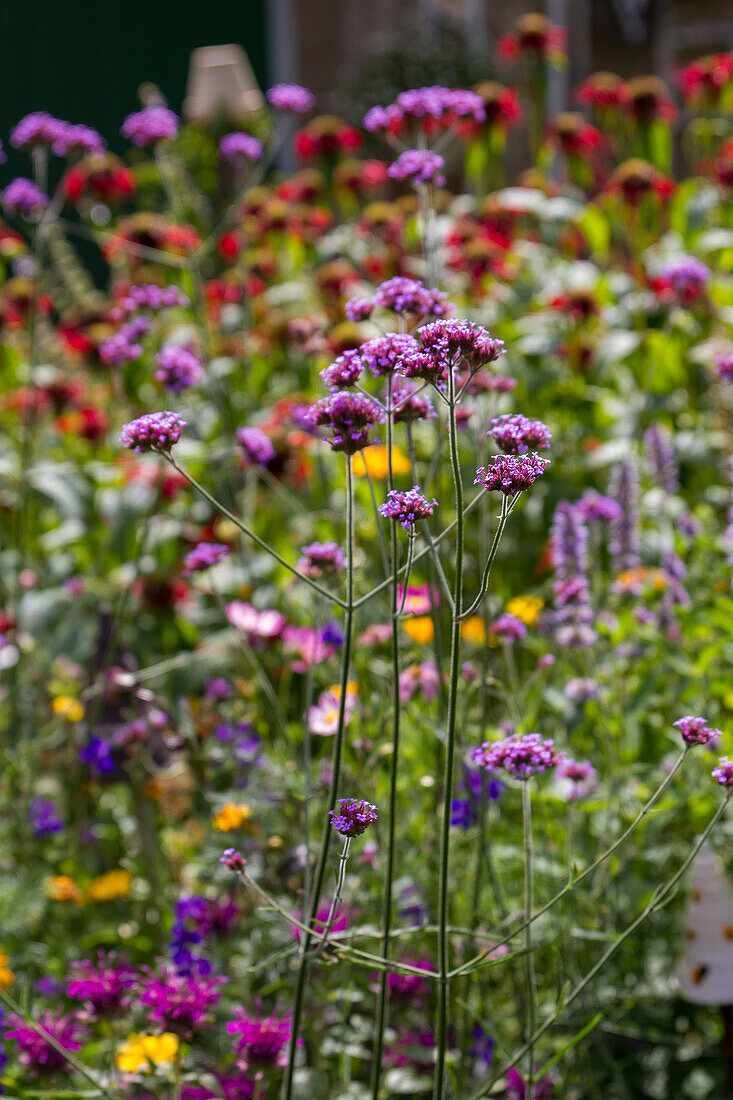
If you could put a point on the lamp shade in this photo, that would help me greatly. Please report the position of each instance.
(705, 970)
(220, 82)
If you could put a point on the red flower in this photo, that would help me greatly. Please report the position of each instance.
(534, 36)
(600, 90)
(706, 78)
(646, 98)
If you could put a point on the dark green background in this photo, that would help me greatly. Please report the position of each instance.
(84, 61)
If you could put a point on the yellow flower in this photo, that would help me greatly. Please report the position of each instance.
(420, 629)
(526, 608)
(231, 817)
(113, 884)
(68, 707)
(474, 630)
(7, 977)
(374, 460)
(63, 888)
(142, 1052)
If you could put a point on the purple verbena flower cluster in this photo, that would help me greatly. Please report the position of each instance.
(291, 97)
(178, 368)
(418, 166)
(723, 771)
(22, 196)
(257, 447)
(407, 507)
(353, 816)
(321, 557)
(239, 147)
(521, 755)
(350, 416)
(696, 731)
(41, 128)
(514, 434)
(203, 556)
(149, 126)
(157, 431)
(385, 355)
(511, 474)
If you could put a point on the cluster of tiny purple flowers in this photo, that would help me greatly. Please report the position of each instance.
(151, 125)
(521, 755)
(511, 474)
(407, 507)
(353, 816)
(203, 556)
(418, 166)
(238, 147)
(178, 368)
(157, 431)
(696, 731)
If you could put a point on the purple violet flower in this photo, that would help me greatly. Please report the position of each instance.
(157, 431)
(407, 507)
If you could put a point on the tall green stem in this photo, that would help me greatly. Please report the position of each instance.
(394, 762)
(529, 970)
(443, 940)
(287, 1090)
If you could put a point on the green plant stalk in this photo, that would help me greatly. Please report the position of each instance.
(393, 770)
(455, 668)
(250, 533)
(658, 899)
(340, 880)
(529, 968)
(472, 963)
(287, 1089)
(68, 1055)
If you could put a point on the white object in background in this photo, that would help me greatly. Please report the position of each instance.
(220, 82)
(705, 971)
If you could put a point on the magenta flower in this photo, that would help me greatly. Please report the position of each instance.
(509, 628)
(203, 556)
(257, 448)
(696, 731)
(239, 147)
(233, 860)
(407, 507)
(150, 125)
(21, 196)
(260, 626)
(321, 557)
(34, 1053)
(522, 755)
(291, 97)
(262, 1041)
(102, 988)
(353, 816)
(418, 166)
(514, 434)
(349, 417)
(575, 778)
(180, 1002)
(511, 474)
(178, 368)
(724, 365)
(385, 355)
(402, 295)
(344, 372)
(156, 431)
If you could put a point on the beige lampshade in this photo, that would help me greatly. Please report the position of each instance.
(220, 82)
(705, 970)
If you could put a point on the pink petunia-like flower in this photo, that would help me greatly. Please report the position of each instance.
(260, 626)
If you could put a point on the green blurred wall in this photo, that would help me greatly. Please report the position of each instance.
(84, 60)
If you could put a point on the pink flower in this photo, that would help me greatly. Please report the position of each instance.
(257, 625)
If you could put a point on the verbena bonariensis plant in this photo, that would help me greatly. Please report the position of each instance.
(358, 720)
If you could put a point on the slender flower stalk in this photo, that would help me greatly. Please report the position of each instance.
(393, 764)
(471, 964)
(454, 676)
(529, 968)
(336, 900)
(658, 899)
(287, 1089)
